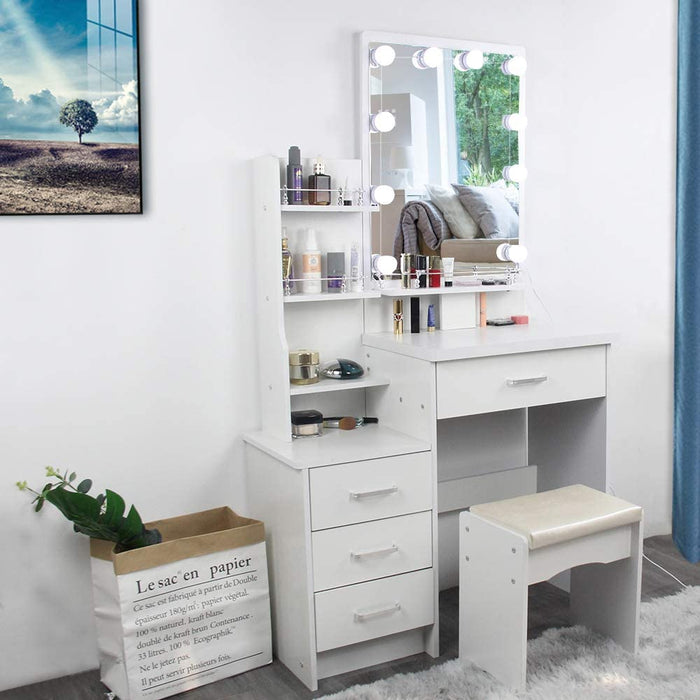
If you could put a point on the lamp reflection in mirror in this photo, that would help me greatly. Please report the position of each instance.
(427, 58)
(383, 266)
(515, 122)
(382, 194)
(382, 122)
(516, 65)
(383, 55)
(508, 252)
(467, 60)
(515, 173)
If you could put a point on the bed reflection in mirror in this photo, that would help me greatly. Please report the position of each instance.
(447, 121)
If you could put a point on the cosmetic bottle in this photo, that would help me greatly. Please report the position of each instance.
(295, 180)
(311, 264)
(355, 281)
(431, 319)
(319, 185)
(347, 195)
(397, 316)
(406, 267)
(415, 314)
(422, 270)
(434, 271)
(287, 268)
(335, 271)
(448, 268)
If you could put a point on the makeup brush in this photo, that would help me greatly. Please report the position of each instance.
(347, 422)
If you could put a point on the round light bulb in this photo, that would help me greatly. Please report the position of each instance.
(382, 194)
(515, 122)
(382, 121)
(386, 264)
(427, 58)
(383, 55)
(515, 173)
(469, 59)
(511, 253)
(515, 65)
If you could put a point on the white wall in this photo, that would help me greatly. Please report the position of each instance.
(126, 343)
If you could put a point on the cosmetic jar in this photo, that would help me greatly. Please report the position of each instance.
(306, 423)
(304, 367)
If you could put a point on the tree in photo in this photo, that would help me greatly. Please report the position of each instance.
(80, 115)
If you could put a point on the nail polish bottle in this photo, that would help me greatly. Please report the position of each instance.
(319, 185)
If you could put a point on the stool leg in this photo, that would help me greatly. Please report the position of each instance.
(493, 599)
(605, 597)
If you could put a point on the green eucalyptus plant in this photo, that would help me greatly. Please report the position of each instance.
(100, 516)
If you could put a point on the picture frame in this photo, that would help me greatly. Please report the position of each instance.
(70, 127)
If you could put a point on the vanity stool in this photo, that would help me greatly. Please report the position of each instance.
(506, 545)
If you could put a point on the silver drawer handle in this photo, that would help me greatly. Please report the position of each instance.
(362, 615)
(377, 492)
(373, 552)
(527, 380)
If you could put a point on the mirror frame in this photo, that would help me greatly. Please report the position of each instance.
(371, 37)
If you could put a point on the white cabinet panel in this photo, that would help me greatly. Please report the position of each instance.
(485, 384)
(368, 610)
(356, 553)
(343, 494)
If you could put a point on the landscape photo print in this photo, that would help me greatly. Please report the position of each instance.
(69, 107)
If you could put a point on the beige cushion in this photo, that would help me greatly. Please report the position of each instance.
(559, 515)
(458, 219)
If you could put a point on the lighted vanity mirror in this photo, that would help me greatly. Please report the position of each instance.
(438, 113)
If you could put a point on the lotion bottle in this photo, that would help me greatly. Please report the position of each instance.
(311, 264)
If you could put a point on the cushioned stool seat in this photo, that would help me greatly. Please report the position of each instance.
(507, 545)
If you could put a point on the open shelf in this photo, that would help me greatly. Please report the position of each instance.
(320, 208)
(457, 289)
(327, 385)
(338, 446)
(330, 296)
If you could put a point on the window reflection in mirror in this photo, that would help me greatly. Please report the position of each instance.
(454, 125)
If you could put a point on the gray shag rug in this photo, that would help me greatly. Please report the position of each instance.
(574, 663)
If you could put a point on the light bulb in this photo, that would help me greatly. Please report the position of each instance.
(515, 122)
(427, 58)
(382, 121)
(383, 55)
(515, 65)
(515, 173)
(511, 253)
(386, 264)
(469, 59)
(382, 194)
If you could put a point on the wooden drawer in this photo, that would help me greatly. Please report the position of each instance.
(485, 384)
(372, 550)
(343, 494)
(369, 610)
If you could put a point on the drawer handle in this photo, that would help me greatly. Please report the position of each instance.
(373, 552)
(377, 492)
(527, 380)
(362, 615)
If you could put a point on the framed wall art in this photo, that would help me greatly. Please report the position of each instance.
(69, 107)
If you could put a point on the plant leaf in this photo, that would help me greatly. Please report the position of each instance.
(114, 512)
(39, 504)
(72, 477)
(84, 486)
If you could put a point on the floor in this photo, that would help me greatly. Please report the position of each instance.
(548, 608)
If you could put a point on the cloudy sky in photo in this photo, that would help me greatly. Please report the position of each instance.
(43, 65)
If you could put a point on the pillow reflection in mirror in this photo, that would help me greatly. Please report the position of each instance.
(461, 224)
(490, 209)
(510, 192)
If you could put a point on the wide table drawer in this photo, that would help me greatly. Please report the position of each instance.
(343, 494)
(502, 382)
(372, 550)
(369, 610)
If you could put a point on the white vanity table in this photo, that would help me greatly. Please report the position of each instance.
(362, 524)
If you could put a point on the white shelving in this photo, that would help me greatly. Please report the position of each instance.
(326, 296)
(328, 385)
(395, 291)
(327, 209)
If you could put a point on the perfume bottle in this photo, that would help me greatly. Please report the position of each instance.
(287, 273)
(319, 185)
